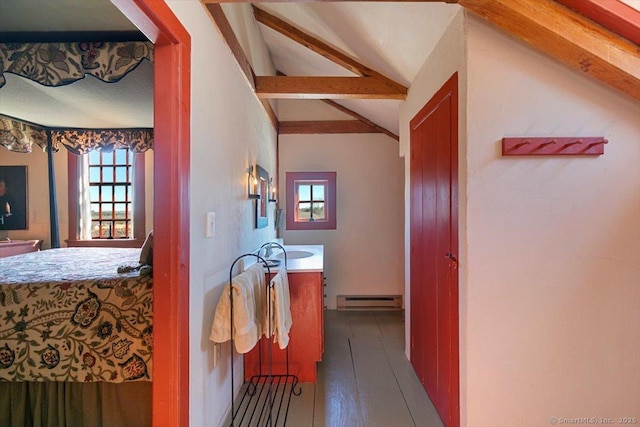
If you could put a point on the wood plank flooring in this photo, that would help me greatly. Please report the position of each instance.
(365, 379)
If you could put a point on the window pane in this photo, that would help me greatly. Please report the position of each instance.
(121, 210)
(95, 230)
(121, 174)
(94, 193)
(121, 157)
(94, 174)
(304, 192)
(107, 212)
(318, 211)
(318, 192)
(107, 158)
(107, 229)
(304, 211)
(94, 157)
(105, 191)
(107, 175)
(120, 192)
(120, 229)
(95, 210)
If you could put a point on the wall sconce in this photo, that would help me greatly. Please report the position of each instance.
(252, 184)
(272, 191)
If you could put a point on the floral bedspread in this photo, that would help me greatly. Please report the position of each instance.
(68, 315)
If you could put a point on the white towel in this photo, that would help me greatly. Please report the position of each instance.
(246, 315)
(256, 271)
(280, 308)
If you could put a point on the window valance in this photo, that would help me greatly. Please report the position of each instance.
(57, 64)
(20, 137)
(81, 141)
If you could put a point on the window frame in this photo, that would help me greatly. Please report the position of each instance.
(138, 220)
(296, 179)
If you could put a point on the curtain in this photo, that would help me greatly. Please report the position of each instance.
(57, 64)
(84, 199)
(73, 404)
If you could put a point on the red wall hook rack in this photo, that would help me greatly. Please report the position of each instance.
(550, 146)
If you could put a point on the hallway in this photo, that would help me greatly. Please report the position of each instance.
(365, 380)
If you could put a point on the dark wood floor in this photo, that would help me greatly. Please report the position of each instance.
(365, 379)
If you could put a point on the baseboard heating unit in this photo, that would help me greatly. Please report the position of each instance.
(369, 302)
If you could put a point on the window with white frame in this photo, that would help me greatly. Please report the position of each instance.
(311, 200)
(106, 204)
(111, 193)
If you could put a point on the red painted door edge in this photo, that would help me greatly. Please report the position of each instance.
(450, 88)
(614, 15)
(172, 80)
(455, 299)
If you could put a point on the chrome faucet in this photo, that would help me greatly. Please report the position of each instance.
(268, 251)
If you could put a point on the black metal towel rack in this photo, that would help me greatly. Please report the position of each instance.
(267, 396)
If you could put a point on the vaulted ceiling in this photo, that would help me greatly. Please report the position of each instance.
(363, 58)
(347, 64)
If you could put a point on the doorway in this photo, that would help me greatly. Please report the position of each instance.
(172, 80)
(434, 340)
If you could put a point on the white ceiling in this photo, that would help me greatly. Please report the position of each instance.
(393, 38)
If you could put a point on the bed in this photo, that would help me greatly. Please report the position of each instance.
(75, 338)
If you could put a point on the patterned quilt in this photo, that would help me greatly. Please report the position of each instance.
(68, 315)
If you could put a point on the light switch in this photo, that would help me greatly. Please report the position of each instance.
(211, 225)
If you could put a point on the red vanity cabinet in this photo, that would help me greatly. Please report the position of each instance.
(306, 338)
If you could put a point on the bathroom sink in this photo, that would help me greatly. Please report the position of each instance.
(295, 254)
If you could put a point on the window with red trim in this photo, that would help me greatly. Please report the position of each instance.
(311, 200)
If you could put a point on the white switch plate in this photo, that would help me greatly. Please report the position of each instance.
(211, 225)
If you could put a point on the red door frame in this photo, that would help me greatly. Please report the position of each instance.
(172, 80)
(448, 90)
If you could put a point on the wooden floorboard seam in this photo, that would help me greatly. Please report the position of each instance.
(395, 375)
(353, 369)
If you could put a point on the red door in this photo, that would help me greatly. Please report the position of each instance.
(434, 247)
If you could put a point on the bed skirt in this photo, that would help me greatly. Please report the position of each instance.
(73, 404)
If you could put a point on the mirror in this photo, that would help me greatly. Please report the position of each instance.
(262, 177)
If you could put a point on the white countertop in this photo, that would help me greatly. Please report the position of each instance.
(310, 264)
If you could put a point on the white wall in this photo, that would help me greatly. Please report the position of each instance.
(229, 131)
(364, 254)
(552, 295)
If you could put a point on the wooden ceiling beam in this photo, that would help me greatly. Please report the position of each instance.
(567, 36)
(321, 48)
(360, 118)
(617, 16)
(296, 87)
(353, 114)
(308, 127)
(220, 20)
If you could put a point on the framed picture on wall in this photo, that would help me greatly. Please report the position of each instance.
(262, 177)
(13, 198)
